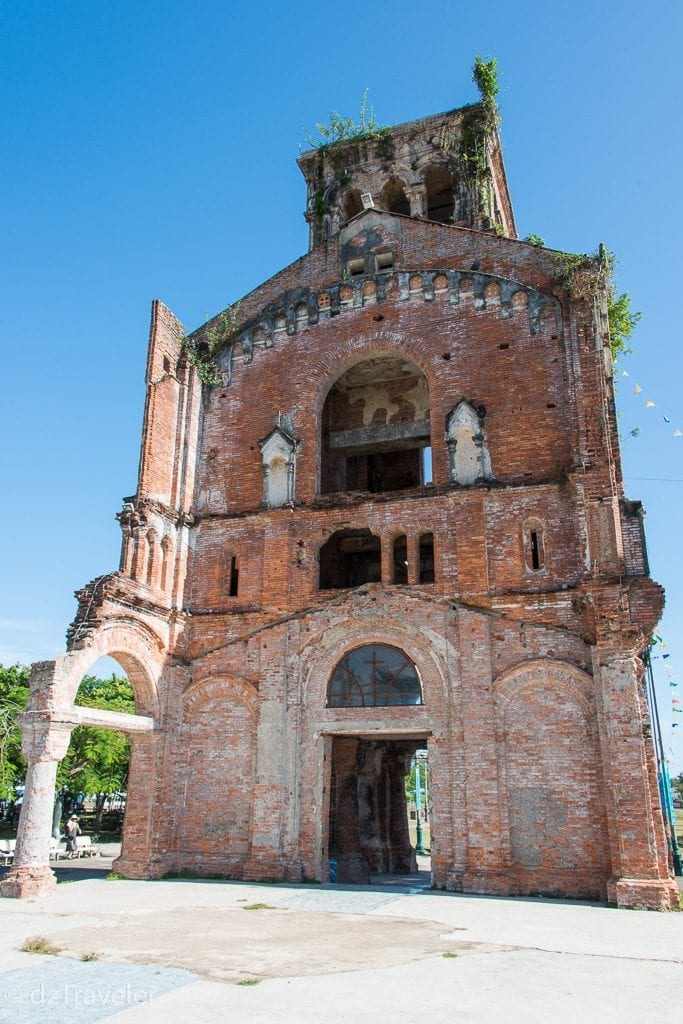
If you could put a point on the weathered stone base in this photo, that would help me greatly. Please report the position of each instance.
(486, 883)
(352, 869)
(644, 894)
(129, 867)
(23, 883)
(263, 868)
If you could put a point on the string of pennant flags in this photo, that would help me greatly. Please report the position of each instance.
(676, 702)
(649, 404)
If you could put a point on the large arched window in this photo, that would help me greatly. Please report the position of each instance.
(375, 427)
(375, 675)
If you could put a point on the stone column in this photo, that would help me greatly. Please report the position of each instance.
(480, 821)
(413, 560)
(640, 871)
(416, 197)
(44, 742)
(351, 865)
(137, 858)
(401, 854)
(368, 807)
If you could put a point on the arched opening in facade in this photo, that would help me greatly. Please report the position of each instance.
(353, 203)
(350, 558)
(376, 427)
(379, 799)
(376, 675)
(440, 194)
(93, 778)
(394, 199)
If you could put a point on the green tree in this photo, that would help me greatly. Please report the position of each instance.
(677, 786)
(13, 700)
(97, 760)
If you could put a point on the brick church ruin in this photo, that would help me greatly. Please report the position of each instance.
(392, 517)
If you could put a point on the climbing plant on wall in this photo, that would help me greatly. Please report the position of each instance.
(203, 346)
(581, 273)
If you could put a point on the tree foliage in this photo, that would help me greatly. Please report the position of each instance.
(13, 700)
(677, 786)
(622, 321)
(97, 760)
(485, 76)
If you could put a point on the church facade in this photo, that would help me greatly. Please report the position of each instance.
(387, 514)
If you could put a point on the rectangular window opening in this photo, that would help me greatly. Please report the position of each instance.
(426, 455)
(234, 577)
(535, 561)
(384, 260)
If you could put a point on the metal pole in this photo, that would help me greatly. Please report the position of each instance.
(419, 845)
(662, 770)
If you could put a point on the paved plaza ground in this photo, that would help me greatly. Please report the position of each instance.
(202, 951)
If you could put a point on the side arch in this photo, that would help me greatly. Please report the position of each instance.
(214, 751)
(209, 688)
(553, 811)
(137, 648)
(558, 673)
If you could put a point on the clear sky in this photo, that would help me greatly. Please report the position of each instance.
(149, 152)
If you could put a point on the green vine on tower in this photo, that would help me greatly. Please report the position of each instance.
(202, 350)
(479, 123)
(579, 273)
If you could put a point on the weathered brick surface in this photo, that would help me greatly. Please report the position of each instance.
(542, 777)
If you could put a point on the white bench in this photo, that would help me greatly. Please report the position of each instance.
(7, 847)
(85, 847)
(57, 849)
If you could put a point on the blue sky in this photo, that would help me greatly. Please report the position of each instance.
(149, 152)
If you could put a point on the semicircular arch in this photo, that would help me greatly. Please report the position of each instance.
(544, 673)
(209, 688)
(136, 647)
(321, 656)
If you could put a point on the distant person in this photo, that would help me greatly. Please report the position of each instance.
(72, 830)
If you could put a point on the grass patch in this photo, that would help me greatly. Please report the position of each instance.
(258, 906)
(114, 876)
(88, 955)
(250, 981)
(39, 944)
(450, 956)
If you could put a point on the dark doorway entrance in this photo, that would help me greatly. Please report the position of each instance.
(369, 831)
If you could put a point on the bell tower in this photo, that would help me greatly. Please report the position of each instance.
(446, 168)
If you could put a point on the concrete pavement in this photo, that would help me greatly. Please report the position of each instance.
(208, 951)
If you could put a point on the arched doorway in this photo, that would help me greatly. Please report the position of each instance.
(92, 779)
(53, 689)
(371, 833)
